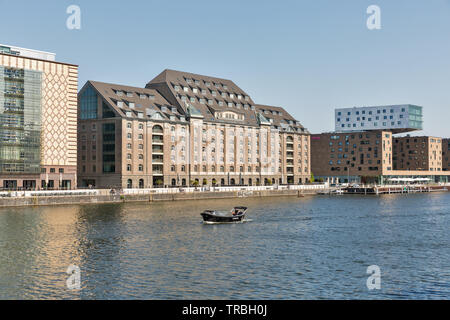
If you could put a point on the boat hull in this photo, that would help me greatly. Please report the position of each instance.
(211, 218)
(235, 216)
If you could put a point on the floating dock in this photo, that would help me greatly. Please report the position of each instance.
(393, 189)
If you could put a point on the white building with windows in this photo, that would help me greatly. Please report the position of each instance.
(395, 118)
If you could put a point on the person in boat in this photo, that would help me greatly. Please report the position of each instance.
(236, 212)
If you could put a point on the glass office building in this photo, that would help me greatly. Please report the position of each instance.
(38, 120)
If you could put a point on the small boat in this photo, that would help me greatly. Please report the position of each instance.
(237, 214)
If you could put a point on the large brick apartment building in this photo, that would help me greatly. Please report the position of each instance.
(184, 129)
(417, 153)
(358, 152)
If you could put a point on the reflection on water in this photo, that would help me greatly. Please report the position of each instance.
(294, 248)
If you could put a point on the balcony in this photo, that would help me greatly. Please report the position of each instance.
(157, 140)
(158, 159)
(157, 150)
(157, 169)
(157, 130)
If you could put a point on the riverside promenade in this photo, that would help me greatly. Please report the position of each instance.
(92, 196)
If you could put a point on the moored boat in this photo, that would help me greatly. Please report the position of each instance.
(237, 214)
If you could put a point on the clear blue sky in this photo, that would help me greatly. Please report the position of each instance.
(306, 56)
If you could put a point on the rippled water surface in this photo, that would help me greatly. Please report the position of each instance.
(295, 248)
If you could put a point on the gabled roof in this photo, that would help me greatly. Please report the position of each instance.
(222, 101)
(220, 96)
(133, 100)
(213, 88)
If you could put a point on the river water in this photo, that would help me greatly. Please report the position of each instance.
(294, 248)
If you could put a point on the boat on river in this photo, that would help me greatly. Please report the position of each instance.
(236, 215)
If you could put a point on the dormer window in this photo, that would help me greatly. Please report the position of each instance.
(195, 90)
(203, 91)
(142, 96)
(129, 94)
(239, 96)
(131, 105)
(120, 104)
(213, 93)
(177, 88)
(197, 82)
(185, 89)
(230, 104)
(231, 95)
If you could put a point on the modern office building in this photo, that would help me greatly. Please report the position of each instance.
(185, 129)
(417, 153)
(396, 118)
(38, 114)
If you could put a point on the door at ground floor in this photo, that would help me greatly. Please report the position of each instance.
(9, 184)
(29, 184)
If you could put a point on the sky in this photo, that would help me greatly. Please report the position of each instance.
(308, 57)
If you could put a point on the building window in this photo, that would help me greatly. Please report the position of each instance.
(88, 104)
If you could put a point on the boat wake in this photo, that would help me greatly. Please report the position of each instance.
(233, 222)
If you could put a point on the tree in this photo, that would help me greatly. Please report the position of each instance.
(312, 177)
(214, 182)
(205, 182)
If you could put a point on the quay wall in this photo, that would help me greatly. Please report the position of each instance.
(146, 197)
